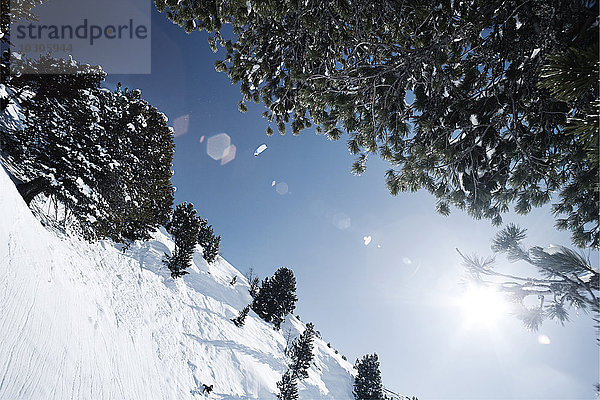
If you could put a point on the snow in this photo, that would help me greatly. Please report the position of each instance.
(83, 187)
(95, 321)
(518, 23)
(11, 118)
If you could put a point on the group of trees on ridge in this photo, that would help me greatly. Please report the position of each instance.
(272, 299)
(103, 156)
(188, 230)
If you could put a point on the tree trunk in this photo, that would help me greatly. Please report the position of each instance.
(28, 190)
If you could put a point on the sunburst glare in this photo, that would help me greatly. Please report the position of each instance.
(482, 306)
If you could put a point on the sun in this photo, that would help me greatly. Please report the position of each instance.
(482, 306)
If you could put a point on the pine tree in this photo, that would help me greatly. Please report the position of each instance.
(184, 226)
(566, 280)
(367, 383)
(288, 387)
(253, 282)
(13, 11)
(262, 304)
(105, 156)
(241, 318)
(209, 242)
(571, 76)
(276, 297)
(58, 132)
(254, 287)
(146, 194)
(212, 249)
(439, 90)
(301, 353)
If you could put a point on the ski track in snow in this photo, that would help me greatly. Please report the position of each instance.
(87, 321)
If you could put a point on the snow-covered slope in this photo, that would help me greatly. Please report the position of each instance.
(90, 321)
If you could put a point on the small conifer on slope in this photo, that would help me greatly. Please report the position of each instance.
(288, 387)
(302, 352)
(253, 282)
(241, 318)
(209, 242)
(367, 383)
(184, 226)
(276, 297)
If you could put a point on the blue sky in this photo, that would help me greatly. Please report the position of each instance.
(395, 296)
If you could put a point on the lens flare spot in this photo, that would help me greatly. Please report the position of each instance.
(219, 148)
(229, 154)
(282, 188)
(341, 221)
(181, 125)
(543, 339)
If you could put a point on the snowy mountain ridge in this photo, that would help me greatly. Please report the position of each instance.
(94, 321)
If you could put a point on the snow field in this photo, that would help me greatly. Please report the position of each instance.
(91, 321)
